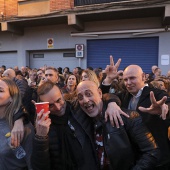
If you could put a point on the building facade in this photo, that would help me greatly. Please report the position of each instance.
(70, 33)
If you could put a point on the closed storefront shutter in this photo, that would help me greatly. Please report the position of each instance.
(9, 59)
(53, 58)
(140, 51)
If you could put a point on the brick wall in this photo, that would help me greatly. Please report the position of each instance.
(1, 7)
(10, 7)
(56, 5)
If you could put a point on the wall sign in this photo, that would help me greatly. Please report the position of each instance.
(50, 43)
(164, 60)
(79, 50)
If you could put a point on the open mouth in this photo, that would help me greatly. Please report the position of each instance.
(89, 107)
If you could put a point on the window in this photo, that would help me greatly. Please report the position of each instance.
(38, 55)
(68, 54)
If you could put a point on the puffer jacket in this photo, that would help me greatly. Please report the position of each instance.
(130, 147)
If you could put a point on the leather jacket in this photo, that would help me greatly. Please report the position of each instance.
(131, 146)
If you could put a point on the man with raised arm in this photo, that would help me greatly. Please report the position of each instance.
(152, 105)
(63, 137)
(131, 146)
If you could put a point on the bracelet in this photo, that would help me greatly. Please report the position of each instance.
(41, 137)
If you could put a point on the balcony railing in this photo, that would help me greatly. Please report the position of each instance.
(90, 2)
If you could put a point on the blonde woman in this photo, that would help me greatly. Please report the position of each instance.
(89, 75)
(10, 104)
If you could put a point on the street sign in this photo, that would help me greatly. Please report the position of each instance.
(79, 50)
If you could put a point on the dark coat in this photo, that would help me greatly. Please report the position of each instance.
(157, 126)
(131, 146)
(67, 147)
(28, 94)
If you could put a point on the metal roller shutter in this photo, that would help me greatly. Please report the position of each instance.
(9, 59)
(140, 51)
(53, 58)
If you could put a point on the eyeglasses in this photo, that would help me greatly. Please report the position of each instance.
(46, 75)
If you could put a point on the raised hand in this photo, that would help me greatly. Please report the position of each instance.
(42, 123)
(111, 70)
(157, 107)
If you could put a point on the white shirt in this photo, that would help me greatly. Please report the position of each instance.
(134, 100)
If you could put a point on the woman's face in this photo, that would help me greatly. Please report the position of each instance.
(158, 72)
(33, 76)
(161, 85)
(84, 77)
(65, 70)
(5, 97)
(72, 81)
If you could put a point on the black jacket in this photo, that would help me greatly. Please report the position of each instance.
(27, 94)
(67, 147)
(157, 126)
(131, 146)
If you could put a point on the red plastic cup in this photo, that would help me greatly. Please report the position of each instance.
(42, 105)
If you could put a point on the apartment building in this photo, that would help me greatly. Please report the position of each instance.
(85, 33)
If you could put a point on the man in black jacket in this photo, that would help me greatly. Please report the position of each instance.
(131, 146)
(61, 141)
(64, 138)
(152, 105)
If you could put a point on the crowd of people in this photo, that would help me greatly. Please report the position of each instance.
(98, 119)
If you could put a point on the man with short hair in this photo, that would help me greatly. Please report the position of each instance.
(61, 141)
(24, 72)
(40, 73)
(129, 147)
(51, 74)
(120, 75)
(64, 138)
(151, 75)
(77, 71)
(150, 103)
(16, 68)
(22, 84)
(153, 68)
(157, 73)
